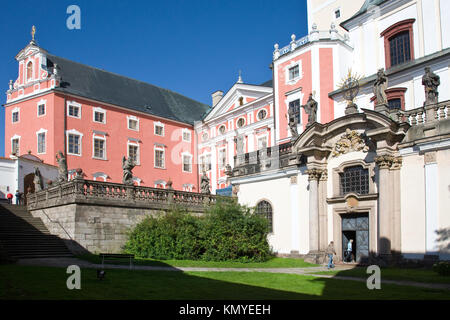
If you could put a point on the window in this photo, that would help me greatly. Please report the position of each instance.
(187, 163)
(222, 129)
(15, 142)
(222, 157)
(205, 136)
(133, 153)
(159, 158)
(99, 148)
(296, 106)
(240, 122)
(186, 136)
(15, 116)
(262, 114)
(74, 110)
(41, 142)
(41, 109)
(159, 130)
(395, 103)
(99, 115)
(400, 48)
(264, 209)
(74, 145)
(354, 179)
(205, 163)
(29, 71)
(337, 13)
(294, 72)
(399, 43)
(262, 142)
(133, 123)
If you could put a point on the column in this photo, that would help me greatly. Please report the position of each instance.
(295, 219)
(385, 215)
(314, 175)
(323, 217)
(431, 202)
(397, 223)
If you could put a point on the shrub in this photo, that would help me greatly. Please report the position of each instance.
(227, 231)
(442, 268)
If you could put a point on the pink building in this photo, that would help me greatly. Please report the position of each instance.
(98, 117)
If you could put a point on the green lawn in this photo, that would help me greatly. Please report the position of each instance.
(28, 282)
(404, 274)
(272, 263)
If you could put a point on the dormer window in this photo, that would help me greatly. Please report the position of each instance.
(29, 71)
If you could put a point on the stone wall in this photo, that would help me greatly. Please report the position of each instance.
(94, 216)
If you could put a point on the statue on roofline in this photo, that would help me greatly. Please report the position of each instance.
(311, 110)
(431, 82)
(380, 86)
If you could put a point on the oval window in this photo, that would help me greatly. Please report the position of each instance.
(240, 122)
(262, 114)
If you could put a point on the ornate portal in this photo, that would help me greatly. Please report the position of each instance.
(350, 141)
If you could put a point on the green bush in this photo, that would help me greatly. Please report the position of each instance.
(442, 268)
(227, 231)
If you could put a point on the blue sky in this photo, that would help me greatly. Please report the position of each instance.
(192, 47)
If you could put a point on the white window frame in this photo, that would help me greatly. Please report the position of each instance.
(99, 110)
(100, 175)
(26, 71)
(76, 105)
(138, 156)
(203, 162)
(161, 182)
(99, 137)
(15, 137)
(222, 165)
(41, 131)
(80, 147)
(159, 124)
(259, 111)
(186, 131)
(15, 110)
(159, 148)
(40, 103)
(293, 64)
(186, 154)
(261, 137)
(224, 131)
(135, 119)
(237, 121)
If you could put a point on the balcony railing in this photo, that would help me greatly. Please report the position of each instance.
(104, 193)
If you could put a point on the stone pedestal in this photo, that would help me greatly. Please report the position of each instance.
(351, 108)
(382, 108)
(316, 257)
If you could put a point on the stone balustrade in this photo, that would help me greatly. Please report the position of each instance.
(429, 113)
(116, 194)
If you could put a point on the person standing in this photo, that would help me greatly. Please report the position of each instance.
(18, 197)
(330, 252)
(9, 196)
(349, 251)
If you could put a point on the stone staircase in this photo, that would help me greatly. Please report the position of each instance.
(22, 236)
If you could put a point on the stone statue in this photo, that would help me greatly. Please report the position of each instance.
(38, 183)
(204, 184)
(380, 86)
(292, 121)
(311, 110)
(62, 164)
(127, 166)
(239, 140)
(431, 82)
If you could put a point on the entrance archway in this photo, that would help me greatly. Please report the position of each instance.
(28, 186)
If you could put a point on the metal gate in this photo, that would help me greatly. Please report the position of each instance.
(360, 224)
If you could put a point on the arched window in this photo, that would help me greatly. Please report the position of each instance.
(354, 179)
(264, 208)
(29, 71)
(398, 43)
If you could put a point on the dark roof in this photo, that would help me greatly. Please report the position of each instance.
(367, 4)
(85, 81)
(268, 83)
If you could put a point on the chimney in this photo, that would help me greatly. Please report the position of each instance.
(216, 97)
